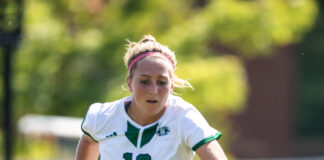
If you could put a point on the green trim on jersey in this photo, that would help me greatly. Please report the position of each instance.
(132, 133)
(206, 140)
(85, 131)
(148, 134)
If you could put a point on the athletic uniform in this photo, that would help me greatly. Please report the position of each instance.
(180, 131)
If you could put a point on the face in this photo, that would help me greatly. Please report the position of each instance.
(151, 84)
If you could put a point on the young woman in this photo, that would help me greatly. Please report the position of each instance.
(152, 124)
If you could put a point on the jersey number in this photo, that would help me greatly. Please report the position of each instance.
(129, 156)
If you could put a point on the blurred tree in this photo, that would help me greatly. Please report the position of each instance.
(71, 54)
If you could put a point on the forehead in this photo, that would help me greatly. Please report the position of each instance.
(154, 66)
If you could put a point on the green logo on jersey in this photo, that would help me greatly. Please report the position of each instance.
(163, 131)
(129, 156)
(112, 135)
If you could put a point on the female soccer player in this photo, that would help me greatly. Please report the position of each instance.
(152, 124)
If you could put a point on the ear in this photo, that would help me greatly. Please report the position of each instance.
(172, 87)
(129, 83)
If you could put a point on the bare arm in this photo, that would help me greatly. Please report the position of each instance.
(88, 149)
(211, 151)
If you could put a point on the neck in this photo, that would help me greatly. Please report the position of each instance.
(143, 118)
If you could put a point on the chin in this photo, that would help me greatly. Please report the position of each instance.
(154, 108)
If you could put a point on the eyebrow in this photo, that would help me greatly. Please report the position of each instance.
(160, 76)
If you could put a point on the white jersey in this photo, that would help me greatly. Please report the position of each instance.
(175, 136)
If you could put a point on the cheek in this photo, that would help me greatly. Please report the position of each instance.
(138, 89)
(137, 94)
(166, 90)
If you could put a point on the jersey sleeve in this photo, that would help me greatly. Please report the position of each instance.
(196, 131)
(89, 123)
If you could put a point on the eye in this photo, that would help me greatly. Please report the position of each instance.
(162, 83)
(145, 82)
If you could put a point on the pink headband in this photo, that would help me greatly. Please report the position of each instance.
(147, 54)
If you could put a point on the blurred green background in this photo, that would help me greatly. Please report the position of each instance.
(70, 56)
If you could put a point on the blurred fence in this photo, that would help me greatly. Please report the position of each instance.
(48, 136)
(58, 126)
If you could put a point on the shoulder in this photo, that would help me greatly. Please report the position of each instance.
(185, 112)
(180, 104)
(97, 109)
(99, 116)
(182, 107)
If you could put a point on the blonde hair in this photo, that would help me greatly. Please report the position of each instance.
(149, 44)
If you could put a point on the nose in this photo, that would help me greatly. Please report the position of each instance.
(154, 88)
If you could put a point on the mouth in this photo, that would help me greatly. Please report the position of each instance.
(152, 101)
